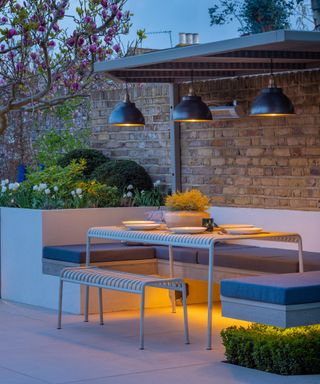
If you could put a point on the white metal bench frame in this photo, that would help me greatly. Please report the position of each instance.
(124, 282)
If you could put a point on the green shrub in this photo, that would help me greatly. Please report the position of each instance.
(92, 157)
(122, 173)
(290, 351)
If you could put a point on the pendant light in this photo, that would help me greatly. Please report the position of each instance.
(272, 101)
(126, 114)
(191, 108)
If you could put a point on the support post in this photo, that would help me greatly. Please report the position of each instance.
(175, 144)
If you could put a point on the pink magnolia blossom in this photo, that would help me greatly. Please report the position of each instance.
(93, 48)
(56, 27)
(87, 19)
(12, 32)
(70, 41)
(117, 48)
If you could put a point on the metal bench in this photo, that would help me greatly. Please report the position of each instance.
(124, 282)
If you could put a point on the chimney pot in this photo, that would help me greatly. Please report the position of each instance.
(182, 38)
(189, 38)
(196, 38)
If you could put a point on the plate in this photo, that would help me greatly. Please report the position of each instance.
(142, 227)
(226, 226)
(187, 230)
(243, 231)
(138, 222)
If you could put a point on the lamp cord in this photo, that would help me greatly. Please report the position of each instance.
(191, 88)
(272, 83)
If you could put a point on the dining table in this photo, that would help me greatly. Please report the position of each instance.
(206, 240)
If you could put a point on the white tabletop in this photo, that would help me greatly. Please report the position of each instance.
(165, 237)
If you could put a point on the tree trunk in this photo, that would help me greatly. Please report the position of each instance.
(315, 6)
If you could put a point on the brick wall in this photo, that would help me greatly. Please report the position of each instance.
(148, 145)
(248, 162)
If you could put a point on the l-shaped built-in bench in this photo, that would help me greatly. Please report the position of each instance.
(231, 260)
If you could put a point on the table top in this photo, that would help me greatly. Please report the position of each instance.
(165, 237)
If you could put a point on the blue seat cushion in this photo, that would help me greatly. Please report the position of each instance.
(285, 289)
(269, 260)
(99, 252)
(187, 255)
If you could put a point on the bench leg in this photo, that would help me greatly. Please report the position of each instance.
(172, 294)
(142, 319)
(185, 314)
(100, 306)
(60, 303)
(86, 305)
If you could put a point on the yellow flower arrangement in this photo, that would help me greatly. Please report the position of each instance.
(192, 200)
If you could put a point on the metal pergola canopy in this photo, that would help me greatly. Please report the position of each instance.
(247, 55)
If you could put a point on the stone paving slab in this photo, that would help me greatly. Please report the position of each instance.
(33, 351)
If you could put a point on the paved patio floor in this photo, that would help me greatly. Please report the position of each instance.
(33, 351)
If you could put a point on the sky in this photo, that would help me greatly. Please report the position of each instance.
(178, 16)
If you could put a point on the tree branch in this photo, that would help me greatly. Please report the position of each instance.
(4, 122)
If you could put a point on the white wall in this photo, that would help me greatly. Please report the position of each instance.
(306, 223)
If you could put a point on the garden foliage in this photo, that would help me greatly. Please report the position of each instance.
(121, 173)
(58, 188)
(92, 157)
(291, 351)
(192, 200)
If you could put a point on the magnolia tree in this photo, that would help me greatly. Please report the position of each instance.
(48, 49)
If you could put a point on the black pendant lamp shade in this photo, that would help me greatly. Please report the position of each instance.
(126, 114)
(272, 101)
(191, 108)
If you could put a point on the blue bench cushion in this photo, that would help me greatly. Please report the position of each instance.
(187, 255)
(99, 252)
(285, 289)
(269, 260)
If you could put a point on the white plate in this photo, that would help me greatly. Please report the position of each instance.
(236, 226)
(187, 230)
(243, 231)
(142, 227)
(138, 222)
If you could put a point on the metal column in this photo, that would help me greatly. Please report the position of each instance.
(175, 147)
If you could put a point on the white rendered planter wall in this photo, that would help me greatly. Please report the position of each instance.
(24, 232)
(306, 223)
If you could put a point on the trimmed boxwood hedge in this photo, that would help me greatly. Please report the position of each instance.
(121, 173)
(291, 351)
(93, 158)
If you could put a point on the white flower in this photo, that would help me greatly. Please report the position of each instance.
(130, 186)
(12, 201)
(42, 186)
(11, 186)
(157, 183)
(55, 188)
(80, 196)
(3, 189)
(124, 195)
(35, 188)
(142, 192)
(78, 191)
(129, 194)
(47, 191)
(73, 193)
(4, 182)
